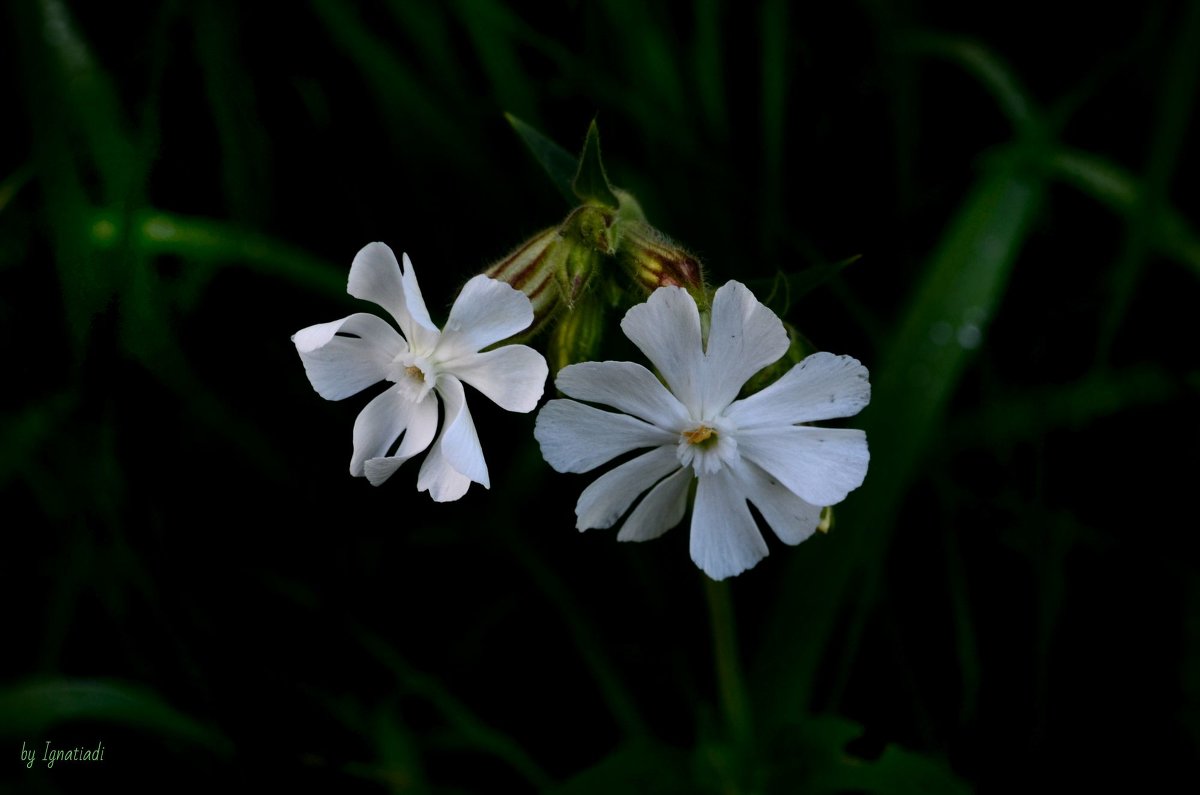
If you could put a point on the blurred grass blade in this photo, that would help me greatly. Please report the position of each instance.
(491, 27)
(33, 709)
(820, 762)
(1117, 189)
(944, 323)
(405, 100)
(1101, 394)
(707, 66)
(774, 37)
(560, 164)
(200, 240)
(990, 70)
(471, 728)
(1174, 107)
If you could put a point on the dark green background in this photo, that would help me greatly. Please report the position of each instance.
(1010, 602)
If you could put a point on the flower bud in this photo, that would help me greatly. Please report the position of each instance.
(577, 334)
(530, 268)
(653, 260)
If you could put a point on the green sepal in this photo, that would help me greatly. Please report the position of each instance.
(591, 182)
(577, 335)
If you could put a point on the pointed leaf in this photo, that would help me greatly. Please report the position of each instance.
(591, 183)
(557, 162)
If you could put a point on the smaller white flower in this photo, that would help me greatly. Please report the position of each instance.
(344, 357)
(755, 450)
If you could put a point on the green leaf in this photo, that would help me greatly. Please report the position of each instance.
(990, 70)
(914, 378)
(591, 183)
(1117, 189)
(1034, 412)
(815, 759)
(557, 162)
(782, 289)
(33, 709)
(641, 768)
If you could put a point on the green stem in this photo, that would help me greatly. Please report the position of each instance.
(730, 683)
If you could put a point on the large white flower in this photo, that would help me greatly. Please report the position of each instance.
(421, 362)
(752, 450)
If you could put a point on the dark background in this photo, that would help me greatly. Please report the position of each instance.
(1010, 603)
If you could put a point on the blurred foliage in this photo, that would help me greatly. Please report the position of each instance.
(194, 580)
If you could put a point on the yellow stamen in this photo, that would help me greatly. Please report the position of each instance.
(701, 434)
(414, 372)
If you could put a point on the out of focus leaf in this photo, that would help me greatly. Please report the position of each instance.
(558, 162)
(641, 768)
(945, 321)
(989, 69)
(35, 708)
(214, 242)
(1117, 189)
(1033, 413)
(815, 760)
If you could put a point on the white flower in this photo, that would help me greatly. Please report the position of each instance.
(348, 355)
(754, 449)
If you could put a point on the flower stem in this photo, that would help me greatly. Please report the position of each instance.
(730, 683)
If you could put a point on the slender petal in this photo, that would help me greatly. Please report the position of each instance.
(443, 482)
(820, 465)
(789, 517)
(626, 386)
(418, 436)
(378, 426)
(725, 539)
(603, 502)
(375, 276)
(744, 337)
(339, 366)
(660, 510)
(381, 423)
(576, 438)
(485, 312)
(821, 387)
(422, 334)
(459, 442)
(512, 376)
(667, 329)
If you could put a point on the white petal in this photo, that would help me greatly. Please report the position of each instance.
(667, 329)
(744, 337)
(790, 517)
(821, 387)
(512, 376)
(459, 442)
(442, 481)
(821, 465)
(725, 540)
(340, 366)
(383, 420)
(375, 276)
(660, 510)
(378, 426)
(485, 312)
(421, 332)
(576, 438)
(626, 386)
(603, 502)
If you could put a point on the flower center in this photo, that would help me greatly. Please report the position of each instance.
(413, 376)
(708, 446)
